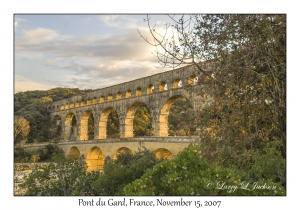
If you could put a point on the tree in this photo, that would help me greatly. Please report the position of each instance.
(21, 130)
(113, 125)
(32, 105)
(142, 122)
(91, 134)
(190, 174)
(45, 100)
(61, 177)
(241, 61)
(125, 169)
(182, 118)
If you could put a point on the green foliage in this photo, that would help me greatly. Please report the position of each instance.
(190, 174)
(142, 122)
(61, 178)
(21, 155)
(268, 164)
(113, 125)
(91, 127)
(47, 153)
(245, 74)
(32, 105)
(182, 118)
(44, 154)
(21, 130)
(128, 167)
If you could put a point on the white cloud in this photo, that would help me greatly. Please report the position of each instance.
(119, 21)
(124, 46)
(36, 39)
(40, 35)
(109, 20)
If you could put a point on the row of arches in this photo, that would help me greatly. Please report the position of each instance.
(88, 126)
(85, 127)
(177, 83)
(95, 156)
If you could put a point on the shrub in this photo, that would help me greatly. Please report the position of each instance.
(190, 174)
(125, 169)
(61, 178)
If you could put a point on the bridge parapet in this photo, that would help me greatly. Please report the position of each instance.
(186, 139)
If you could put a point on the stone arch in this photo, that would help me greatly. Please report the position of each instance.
(82, 103)
(177, 83)
(56, 122)
(95, 159)
(119, 96)
(84, 125)
(72, 105)
(62, 107)
(191, 80)
(103, 122)
(128, 131)
(94, 101)
(163, 86)
(183, 118)
(121, 150)
(128, 94)
(74, 153)
(102, 99)
(57, 108)
(109, 97)
(77, 104)
(138, 91)
(163, 153)
(70, 127)
(88, 102)
(164, 114)
(150, 89)
(67, 106)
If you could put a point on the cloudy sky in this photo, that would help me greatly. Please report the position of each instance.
(82, 51)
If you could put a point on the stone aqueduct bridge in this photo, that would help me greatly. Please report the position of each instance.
(93, 152)
(158, 92)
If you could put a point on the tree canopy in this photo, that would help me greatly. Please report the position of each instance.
(31, 105)
(190, 174)
(62, 177)
(122, 171)
(241, 62)
(21, 130)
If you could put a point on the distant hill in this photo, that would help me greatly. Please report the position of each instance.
(31, 105)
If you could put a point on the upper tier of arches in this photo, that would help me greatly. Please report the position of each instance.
(144, 86)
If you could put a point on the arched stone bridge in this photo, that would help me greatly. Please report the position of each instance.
(94, 152)
(158, 92)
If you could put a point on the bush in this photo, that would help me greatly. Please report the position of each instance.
(61, 178)
(269, 164)
(125, 169)
(190, 174)
(21, 156)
